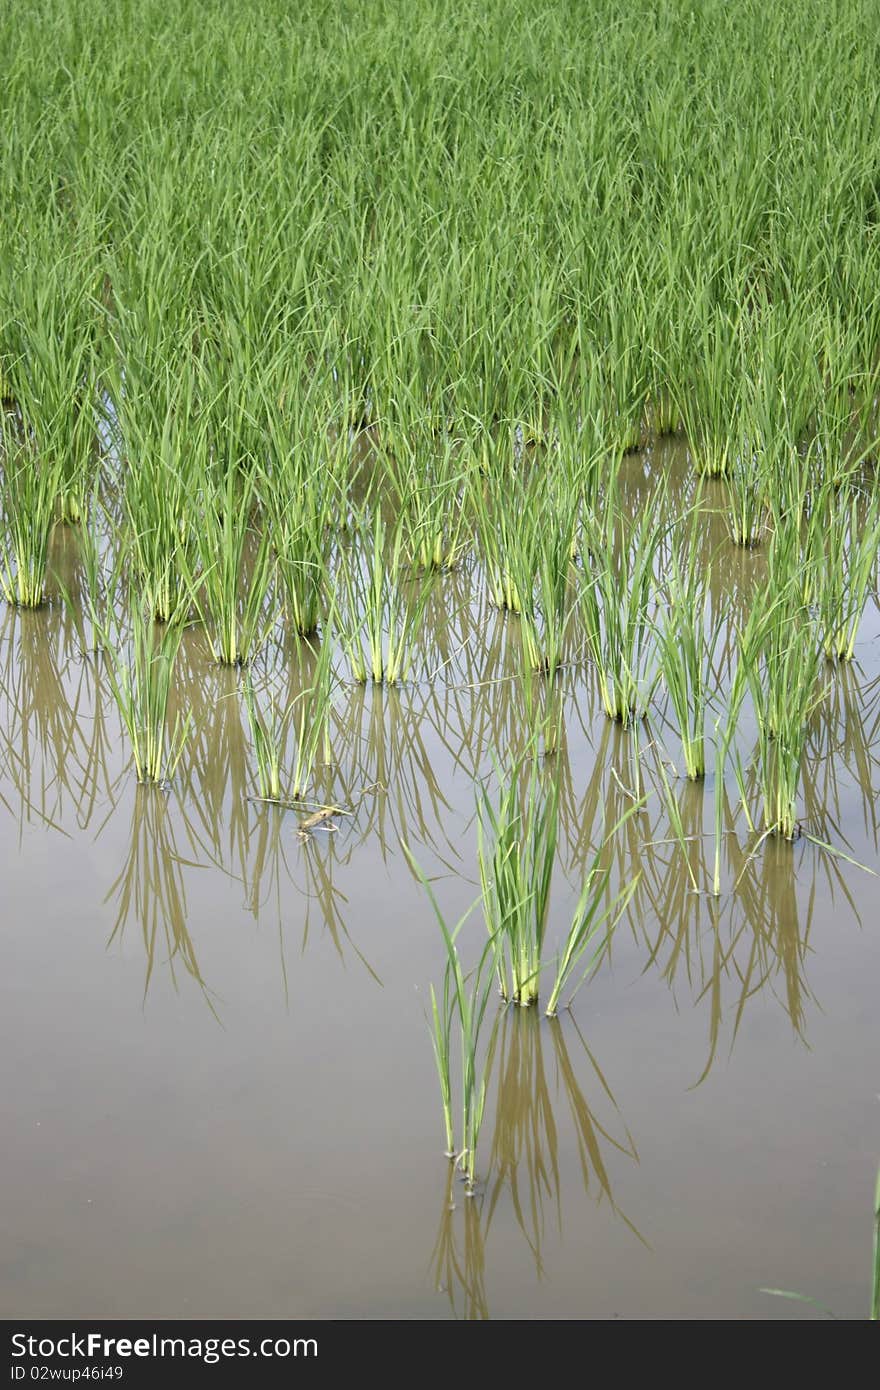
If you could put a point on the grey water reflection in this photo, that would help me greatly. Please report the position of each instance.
(548, 1100)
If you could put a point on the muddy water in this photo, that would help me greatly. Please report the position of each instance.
(218, 1095)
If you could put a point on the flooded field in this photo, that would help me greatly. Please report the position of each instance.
(218, 1093)
(439, 659)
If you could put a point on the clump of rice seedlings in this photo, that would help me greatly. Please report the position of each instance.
(516, 847)
(140, 666)
(845, 568)
(378, 621)
(308, 712)
(593, 912)
(543, 704)
(708, 394)
(267, 731)
(501, 505)
(616, 600)
(233, 584)
(301, 495)
(29, 484)
(429, 475)
(313, 719)
(469, 997)
(725, 733)
(301, 539)
(541, 570)
(781, 655)
(54, 371)
(745, 486)
(460, 1013)
(154, 424)
(687, 653)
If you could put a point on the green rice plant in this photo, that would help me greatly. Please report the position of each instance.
(687, 655)
(745, 485)
(29, 485)
(781, 655)
(140, 667)
(301, 540)
(429, 478)
(378, 621)
(53, 377)
(844, 569)
(516, 847)
(501, 506)
(267, 740)
(541, 571)
(616, 600)
(313, 708)
(301, 492)
(708, 394)
(592, 913)
(463, 1002)
(232, 588)
(155, 424)
(308, 713)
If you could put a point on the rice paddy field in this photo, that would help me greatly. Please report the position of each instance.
(439, 658)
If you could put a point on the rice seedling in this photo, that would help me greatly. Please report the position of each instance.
(430, 477)
(232, 586)
(616, 600)
(500, 503)
(542, 573)
(687, 653)
(780, 654)
(593, 912)
(844, 569)
(378, 620)
(308, 714)
(462, 1009)
(708, 398)
(28, 509)
(154, 426)
(53, 378)
(516, 848)
(140, 667)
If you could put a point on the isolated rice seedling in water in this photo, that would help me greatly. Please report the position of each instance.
(462, 1010)
(516, 848)
(592, 913)
(686, 658)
